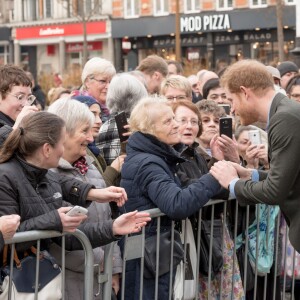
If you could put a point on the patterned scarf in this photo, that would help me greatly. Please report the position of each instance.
(81, 165)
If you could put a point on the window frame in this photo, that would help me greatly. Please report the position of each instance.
(259, 4)
(45, 9)
(193, 4)
(290, 3)
(30, 7)
(165, 12)
(226, 7)
(133, 8)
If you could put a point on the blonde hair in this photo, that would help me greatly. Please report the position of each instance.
(142, 115)
(250, 74)
(177, 82)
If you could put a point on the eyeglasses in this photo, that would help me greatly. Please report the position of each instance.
(174, 98)
(193, 122)
(101, 81)
(22, 98)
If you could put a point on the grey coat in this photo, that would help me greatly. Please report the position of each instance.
(97, 212)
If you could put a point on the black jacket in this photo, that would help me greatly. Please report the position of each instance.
(6, 124)
(193, 168)
(35, 194)
(150, 180)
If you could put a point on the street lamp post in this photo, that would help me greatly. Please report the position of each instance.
(177, 32)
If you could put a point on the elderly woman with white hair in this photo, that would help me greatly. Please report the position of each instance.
(96, 76)
(76, 163)
(123, 94)
(150, 180)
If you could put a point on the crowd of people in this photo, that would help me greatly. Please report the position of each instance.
(173, 158)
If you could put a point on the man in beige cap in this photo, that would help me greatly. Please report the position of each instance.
(277, 79)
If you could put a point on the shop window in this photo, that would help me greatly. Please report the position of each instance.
(268, 53)
(25, 60)
(75, 58)
(48, 9)
(258, 3)
(3, 55)
(161, 7)
(290, 1)
(131, 8)
(224, 4)
(191, 6)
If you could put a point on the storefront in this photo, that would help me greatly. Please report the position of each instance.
(56, 48)
(6, 46)
(208, 40)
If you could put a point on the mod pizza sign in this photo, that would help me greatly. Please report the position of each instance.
(59, 30)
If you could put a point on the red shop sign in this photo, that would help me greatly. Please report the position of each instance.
(59, 30)
(78, 47)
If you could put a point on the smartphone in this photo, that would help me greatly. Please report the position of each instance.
(225, 126)
(121, 121)
(77, 211)
(226, 108)
(254, 137)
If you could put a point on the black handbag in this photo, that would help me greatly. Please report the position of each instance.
(217, 251)
(164, 253)
(24, 273)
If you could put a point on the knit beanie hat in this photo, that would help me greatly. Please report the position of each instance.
(287, 66)
(87, 100)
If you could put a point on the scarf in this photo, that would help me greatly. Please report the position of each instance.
(95, 150)
(81, 165)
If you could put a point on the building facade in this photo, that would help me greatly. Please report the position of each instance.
(49, 35)
(212, 33)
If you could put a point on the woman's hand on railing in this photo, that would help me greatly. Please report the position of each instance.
(70, 223)
(9, 225)
(131, 222)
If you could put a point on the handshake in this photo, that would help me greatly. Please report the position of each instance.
(226, 171)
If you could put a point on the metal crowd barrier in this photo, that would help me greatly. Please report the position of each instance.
(266, 286)
(38, 235)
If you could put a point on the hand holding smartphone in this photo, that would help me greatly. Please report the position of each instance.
(77, 211)
(121, 121)
(225, 126)
(254, 137)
